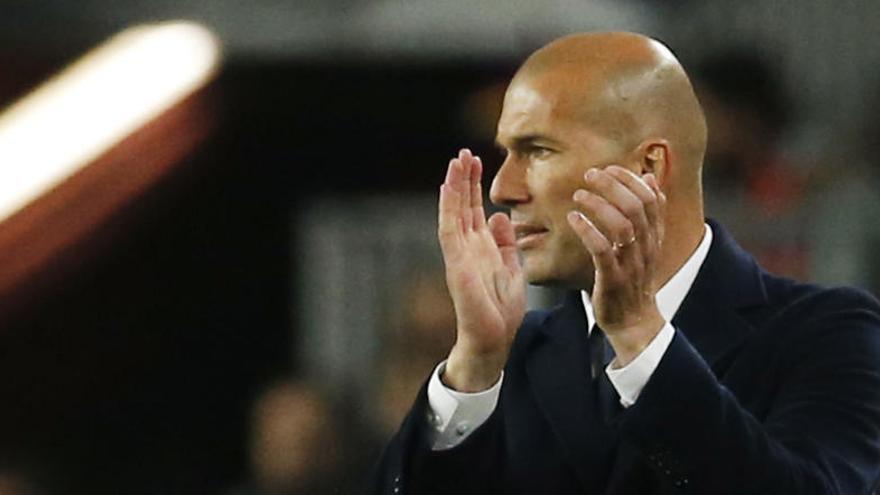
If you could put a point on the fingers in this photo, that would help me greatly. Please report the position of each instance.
(606, 215)
(620, 222)
(651, 181)
(643, 197)
(449, 222)
(461, 201)
(464, 176)
(622, 205)
(648, 197)
(505, 238)
(464, 186)
(477, 213)
(594, 240)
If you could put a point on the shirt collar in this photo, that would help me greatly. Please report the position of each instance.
(671, 295)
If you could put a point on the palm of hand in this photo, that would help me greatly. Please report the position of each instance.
(483, 273)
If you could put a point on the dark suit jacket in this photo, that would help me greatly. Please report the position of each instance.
(768, 387)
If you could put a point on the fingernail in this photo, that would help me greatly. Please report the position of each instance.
(592, 173)
(573, 216)
(579, 195)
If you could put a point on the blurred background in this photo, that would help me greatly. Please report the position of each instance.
(244, 295)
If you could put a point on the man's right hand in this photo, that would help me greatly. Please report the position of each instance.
(483, 275)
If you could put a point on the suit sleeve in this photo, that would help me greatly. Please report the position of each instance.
(820, 435)
(410, 466)
(475, 466)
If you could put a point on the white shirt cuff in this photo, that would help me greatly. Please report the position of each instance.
(455, 415)
(632, 378)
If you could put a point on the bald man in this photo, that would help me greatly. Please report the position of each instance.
(676, 364)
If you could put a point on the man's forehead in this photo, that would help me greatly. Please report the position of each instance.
(524, 105)
(534, 107)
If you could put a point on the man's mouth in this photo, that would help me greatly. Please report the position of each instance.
(528, 235)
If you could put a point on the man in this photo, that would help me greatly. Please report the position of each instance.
(676, 364)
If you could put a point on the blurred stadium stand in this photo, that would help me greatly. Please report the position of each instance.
(132, 366)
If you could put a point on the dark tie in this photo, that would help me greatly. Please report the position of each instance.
(597, 352)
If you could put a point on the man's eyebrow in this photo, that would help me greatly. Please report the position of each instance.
(520, 142)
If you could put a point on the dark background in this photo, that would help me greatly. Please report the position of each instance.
(136, 372)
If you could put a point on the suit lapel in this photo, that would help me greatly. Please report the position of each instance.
(559, 372)
(711, 315)
(558, 367)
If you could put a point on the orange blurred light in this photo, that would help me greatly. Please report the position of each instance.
(91, 106)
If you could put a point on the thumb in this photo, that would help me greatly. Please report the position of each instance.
(502, 231)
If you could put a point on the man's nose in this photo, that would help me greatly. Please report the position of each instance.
(510, 185)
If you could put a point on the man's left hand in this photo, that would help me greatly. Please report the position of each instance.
(621, 224)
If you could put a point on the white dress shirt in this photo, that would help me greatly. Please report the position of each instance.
(455, 415)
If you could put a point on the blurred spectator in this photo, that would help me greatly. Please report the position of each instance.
(294, 443)
(15, 482)
(846, 230)
(420, 338)
(752, 187)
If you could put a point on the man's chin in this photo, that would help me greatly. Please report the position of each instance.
(541, 276)
(545, 276)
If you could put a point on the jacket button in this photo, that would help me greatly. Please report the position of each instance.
(434, 420)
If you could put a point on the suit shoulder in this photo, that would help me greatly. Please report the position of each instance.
(816, 319)
(815, 301)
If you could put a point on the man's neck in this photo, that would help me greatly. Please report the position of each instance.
(682, 239)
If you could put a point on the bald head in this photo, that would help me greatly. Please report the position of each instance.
(629, 87)
(589, 101)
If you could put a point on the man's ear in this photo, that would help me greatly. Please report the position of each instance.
(653, 157)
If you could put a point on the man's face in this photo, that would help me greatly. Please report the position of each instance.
(549, 147)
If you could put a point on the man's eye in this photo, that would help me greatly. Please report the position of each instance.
(539, 152)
